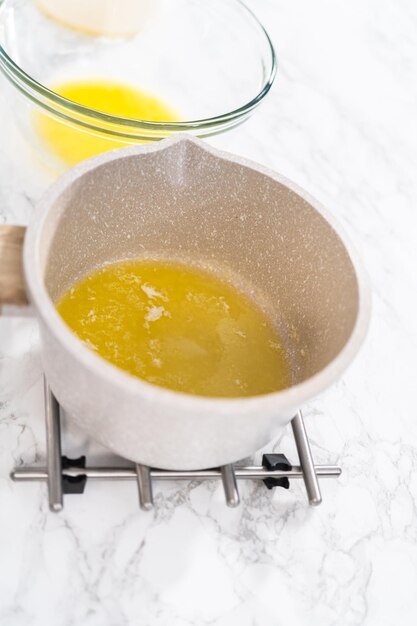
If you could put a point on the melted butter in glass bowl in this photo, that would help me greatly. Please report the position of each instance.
(207, 65)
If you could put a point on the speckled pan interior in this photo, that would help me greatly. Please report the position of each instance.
(186, 203)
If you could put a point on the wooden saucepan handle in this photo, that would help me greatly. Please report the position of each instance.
(12, 284)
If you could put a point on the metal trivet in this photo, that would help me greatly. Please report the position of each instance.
(68, 476)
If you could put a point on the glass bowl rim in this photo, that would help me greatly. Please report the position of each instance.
(48, 99)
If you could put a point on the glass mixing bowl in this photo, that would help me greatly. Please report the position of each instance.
(212, 61)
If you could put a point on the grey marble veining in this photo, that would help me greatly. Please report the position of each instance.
(341, 122)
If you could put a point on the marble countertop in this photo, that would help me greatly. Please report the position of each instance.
(341, 122)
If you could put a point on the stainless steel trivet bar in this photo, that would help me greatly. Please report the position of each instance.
(64, 476)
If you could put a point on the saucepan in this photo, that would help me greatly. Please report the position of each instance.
(182, 199)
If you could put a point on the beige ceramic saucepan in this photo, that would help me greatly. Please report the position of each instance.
(183, 200)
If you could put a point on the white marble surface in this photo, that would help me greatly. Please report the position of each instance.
(341, 122)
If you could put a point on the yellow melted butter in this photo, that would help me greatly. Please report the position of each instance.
(179, 327)
(73, 145)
